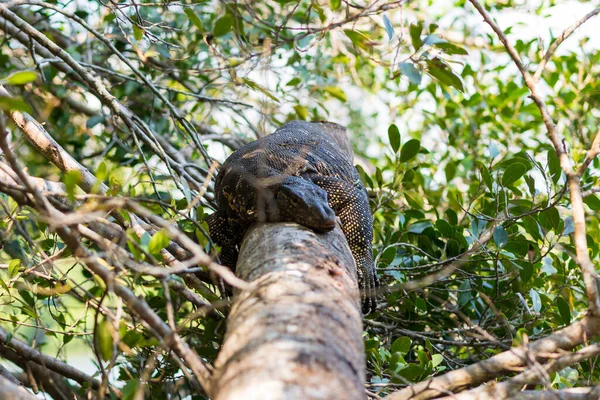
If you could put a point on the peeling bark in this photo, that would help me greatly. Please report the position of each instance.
(296, 331)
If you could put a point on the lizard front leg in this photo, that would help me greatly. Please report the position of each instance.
(351, 205)
(226, 236)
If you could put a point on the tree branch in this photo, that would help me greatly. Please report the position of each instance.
(295, 332)
(580, 239)
(503, 363)
(558, 41)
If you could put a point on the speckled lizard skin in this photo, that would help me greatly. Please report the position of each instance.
(302, 173)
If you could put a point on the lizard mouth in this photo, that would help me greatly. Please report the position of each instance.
(325, 225)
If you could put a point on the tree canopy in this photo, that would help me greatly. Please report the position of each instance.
(475, 129)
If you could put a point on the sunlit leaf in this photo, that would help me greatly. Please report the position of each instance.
(444, 74)
(411, 72)
(20, 78)
(223, 25)
(415, 35)
(159, 241)
(194, 19)
(104, 340)
(410, 150)
(394, 137)
(513, 173)
(336, 92)
(14, 104)
(388, 27)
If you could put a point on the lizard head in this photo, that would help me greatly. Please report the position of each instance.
(303, 202)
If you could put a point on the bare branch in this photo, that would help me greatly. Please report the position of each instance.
(591, 154)
(11, 391)
(558, 41)
(511, 387)
(18, 352)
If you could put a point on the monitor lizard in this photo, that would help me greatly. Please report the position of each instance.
(301, 173)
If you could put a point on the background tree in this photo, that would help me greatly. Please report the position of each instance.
(476, 130)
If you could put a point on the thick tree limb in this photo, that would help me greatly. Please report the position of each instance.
(295, 332)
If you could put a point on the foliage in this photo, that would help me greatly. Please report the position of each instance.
(451, 148)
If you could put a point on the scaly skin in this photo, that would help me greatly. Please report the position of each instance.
(302, 173)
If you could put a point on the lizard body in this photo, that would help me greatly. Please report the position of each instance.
(302, 173)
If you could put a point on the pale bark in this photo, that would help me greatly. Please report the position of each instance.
(296, 331)
(10, 391)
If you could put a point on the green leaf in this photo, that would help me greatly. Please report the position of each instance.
(411, 72)
(409, 176)
(500, 236)
(415, 35)
(450, 170)
(94, 120)
(159, 241)
(388, 27)
(554, 166)
(451, 48)
(419, 227)
(194, 19)
(223, 25)
(71, 180)
(401, 345)
(301, 111)
(335, 4)
(358, 39)
(410, 150)
(592, 201)
(550, 218)
(13, 267)
(104, 340)
(415, 200)
(513, 173)
(445, 228)
(20, 78)
(485, 175)
(14, 104)
(434, 39)
(444, 74)
(257, 87)
(293, 82)
(138, 33)
(464, 293)
(535, 300)
(564, 310)
(129, 389)
(336, 92)
(436, 359)
(421, 305)
(411, 372)
(394, 137)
